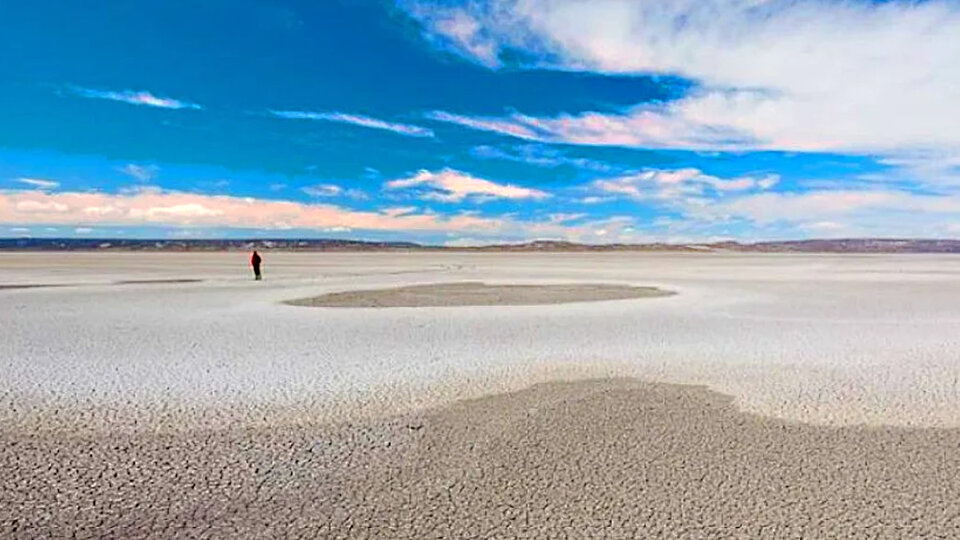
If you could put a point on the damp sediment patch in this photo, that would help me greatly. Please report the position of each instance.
(155, 281)
(15, 286)
(480, 294)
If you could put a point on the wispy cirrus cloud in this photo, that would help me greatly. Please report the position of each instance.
(39, 183)
(323, 190)
(565, 218)
(450, 186)
(941, 169)
(143, 173)
(833, 205)
(358, 120)
(646, 126)
(539, 156)
(837, 76)
(333, 190)
(457, 31)
(136, 97)
(839, 213)
(665, 185)
(518, 126)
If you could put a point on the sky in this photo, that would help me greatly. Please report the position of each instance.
(482, 121)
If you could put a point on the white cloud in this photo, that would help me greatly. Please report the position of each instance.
(823, 205)
(454, 186)
(657, 184)
(539, 156)
(136, 97)
(941, 169)
(143, 173)
(768, 181)
(101, 211)
(849, 213)
(357, 120)
(186, 210)
(516, 126)
(323, 190)
(456, 30)
(399, 211)
(827, 75)
(83, 230)
(564, 217)
(39, 183)
(593, 199)
(333, 190)
(41, 206)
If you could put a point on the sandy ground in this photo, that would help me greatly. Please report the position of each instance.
(611, 458)
(479, 294)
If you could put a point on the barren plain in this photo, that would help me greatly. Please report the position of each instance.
(169, 394)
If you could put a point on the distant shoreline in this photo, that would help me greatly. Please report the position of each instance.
(848, 245)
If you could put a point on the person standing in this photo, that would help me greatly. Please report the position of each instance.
(255, 261)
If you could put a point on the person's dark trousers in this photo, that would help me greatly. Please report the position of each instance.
(256, 273)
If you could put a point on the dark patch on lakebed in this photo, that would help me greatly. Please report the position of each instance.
(480, 294)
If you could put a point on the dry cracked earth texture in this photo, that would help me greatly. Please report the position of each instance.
(594, 459)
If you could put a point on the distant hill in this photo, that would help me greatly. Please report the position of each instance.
(850, 245)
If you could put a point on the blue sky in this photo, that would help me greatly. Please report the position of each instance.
(484, 121)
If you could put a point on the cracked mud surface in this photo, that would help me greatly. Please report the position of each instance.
(838, 340)
(614, 458)
(480, 294)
